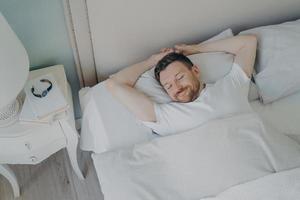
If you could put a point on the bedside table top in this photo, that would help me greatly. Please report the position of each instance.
(58, 72)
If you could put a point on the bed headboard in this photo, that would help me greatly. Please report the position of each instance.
(125, 32)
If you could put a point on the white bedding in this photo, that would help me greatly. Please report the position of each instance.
(107, 125)
(279, 186)
(283, 114)
(199, 163)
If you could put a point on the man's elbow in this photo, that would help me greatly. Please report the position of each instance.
(248, 40)
(113, 81)
(110, 84)
(252, 40)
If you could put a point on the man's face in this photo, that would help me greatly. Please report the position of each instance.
(180, 82)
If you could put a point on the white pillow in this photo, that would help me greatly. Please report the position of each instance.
(278, 60)
(106, 123)
(198, 163)
(213, 66)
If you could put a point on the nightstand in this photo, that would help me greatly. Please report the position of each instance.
(31, 143)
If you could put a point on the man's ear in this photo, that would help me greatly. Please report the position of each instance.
(196, 69)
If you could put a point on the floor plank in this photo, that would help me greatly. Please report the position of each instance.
(54, 179)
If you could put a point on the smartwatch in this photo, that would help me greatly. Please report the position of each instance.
(45, 92)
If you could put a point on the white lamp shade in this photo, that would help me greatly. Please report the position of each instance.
(14, 64)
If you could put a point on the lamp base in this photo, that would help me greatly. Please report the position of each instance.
(9, 114)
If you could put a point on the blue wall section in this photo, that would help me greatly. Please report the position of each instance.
(41, 26)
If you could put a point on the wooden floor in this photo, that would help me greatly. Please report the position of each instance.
(53, 179)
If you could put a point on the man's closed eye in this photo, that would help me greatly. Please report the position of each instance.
(180, 77)
(168, 86)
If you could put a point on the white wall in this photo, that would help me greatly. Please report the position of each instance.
(124, 32)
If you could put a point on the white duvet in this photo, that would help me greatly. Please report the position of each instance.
(279, 186)
(200, 163)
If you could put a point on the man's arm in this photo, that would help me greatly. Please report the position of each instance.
(242, 46)
(121, 86)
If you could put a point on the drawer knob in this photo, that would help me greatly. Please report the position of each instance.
(28, 145)
(33, 158)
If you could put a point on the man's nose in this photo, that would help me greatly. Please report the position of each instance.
(178, 87)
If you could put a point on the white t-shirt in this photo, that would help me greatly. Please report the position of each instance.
(226, 97)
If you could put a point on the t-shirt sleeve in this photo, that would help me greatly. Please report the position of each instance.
(238, 74)
(233, 89)
(162, 126)
(237, 79)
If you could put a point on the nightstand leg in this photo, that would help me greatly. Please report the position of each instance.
(72, 142)
(10, 176)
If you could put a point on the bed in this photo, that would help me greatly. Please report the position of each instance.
(283, 115)
(257, 160)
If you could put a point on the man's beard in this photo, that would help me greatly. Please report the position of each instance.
(187, 94)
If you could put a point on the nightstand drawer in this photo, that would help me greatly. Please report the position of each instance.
(37, 156)
(13, 150)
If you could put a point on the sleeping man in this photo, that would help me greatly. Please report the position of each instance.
(194, 102)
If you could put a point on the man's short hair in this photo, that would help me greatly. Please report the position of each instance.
(168, 59)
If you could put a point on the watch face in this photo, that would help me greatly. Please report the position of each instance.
(44, 93)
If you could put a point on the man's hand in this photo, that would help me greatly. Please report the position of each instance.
(153, 60)
(186, 49)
